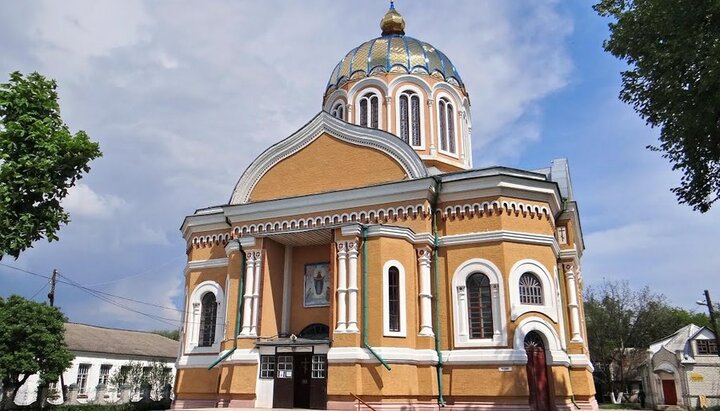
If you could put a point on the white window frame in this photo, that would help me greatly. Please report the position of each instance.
(361, 94)
(422, 98)
(461, 329)
(452, 101)
(339, 103)
(83, 386)
(401, 297)
(193, 313)
(107, 367)
(549, 307)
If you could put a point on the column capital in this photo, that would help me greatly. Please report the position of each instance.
(424, 254)
(388, 100)
(352, 248)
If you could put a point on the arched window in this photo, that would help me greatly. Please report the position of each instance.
(410, 118)
(480, 318)
(208, 317)
(394, 312)
(338, 110)
(394, 299)
(446, 120)
(531, 291)
(369, 110)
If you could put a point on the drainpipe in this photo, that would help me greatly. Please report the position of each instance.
(436, 291)
(241, 290)
(363, 230)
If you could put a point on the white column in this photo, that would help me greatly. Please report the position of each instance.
(256, 293)
(341, 288)
(463, 309)
(388, 115)
(425, 294)
(287, 291)
(573, 303)
(432, 137)
(247, 302)
(352, 287)
(194, 325)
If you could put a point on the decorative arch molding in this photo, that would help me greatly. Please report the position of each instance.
(418, 81)
(193, 317)
(442, 87)
(553, 347)
(324, 123)
(460, 307)
(549, 306)
(368, 82)
(337, 95)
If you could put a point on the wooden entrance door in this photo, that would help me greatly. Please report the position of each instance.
(537, 373)
(669, 392)
(318, 382)
(283, 391)
(303, 368)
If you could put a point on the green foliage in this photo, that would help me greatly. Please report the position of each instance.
(623, 406)
(39, 161)
(673, 49)
(135, 374)
(171, 334)
(622, 323)
(32, 340)
(133, 406)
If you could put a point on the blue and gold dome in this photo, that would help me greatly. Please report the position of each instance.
(394, 52)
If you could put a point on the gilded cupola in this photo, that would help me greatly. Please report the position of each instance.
(407, 87)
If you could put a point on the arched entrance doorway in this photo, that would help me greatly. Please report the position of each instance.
(537, 372)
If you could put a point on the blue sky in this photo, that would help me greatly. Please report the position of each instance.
(181, 99)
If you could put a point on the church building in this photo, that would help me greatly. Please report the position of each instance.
(364, 259)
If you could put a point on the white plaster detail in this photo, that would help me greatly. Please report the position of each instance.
(460, 309)
(192, 324)
(424, 256)
(248, 296)
(205, 264)
(341, 288)
(352, 289)
(549, 306)
(553, 347)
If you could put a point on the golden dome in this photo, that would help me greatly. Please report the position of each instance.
(392, 22)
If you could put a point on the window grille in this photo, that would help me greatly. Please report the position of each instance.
(531, 291)
(707, 347)
(394, 298)
(338, 111)
(446, 114)
(208, 317)
(404, 130)
(267, 366)
(370, 110)
(284, 366)
(479, 297)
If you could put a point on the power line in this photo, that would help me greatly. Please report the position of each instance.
(38, 291)
(135, 275)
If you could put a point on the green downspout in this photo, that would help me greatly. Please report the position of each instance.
(363, 230)
(436, 245)
(241, 291)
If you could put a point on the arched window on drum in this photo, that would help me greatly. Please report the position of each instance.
(446, 122)
(369, 110)
(338, 110)
(410, 120)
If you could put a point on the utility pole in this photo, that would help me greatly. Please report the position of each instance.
(713, 324)
(51, 294)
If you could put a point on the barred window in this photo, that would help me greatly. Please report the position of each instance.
(531, 291)
(394, 298)
(284, 366)
(267, 366)
(446, 117)
(82, 376)
(318, 366)
(480, 316)
(208, 317)
(410, 118)
(338, 111)
(707, 347)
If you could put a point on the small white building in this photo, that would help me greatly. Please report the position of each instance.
(99, 353)
(683, 368)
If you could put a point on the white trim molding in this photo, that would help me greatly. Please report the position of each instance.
(401, 297)
(553, 346)
(378, 139)
(549, 305)
(461, 331)
(205, 264)
(194, 313)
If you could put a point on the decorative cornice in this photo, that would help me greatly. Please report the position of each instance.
(326, 123)
(494, 207)
(205, 264)
(501, 235)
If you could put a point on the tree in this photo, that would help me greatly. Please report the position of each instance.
(135, 374)
(39, 161)
(32, 341)
(673, 49)
(621, 324)
(171, 334)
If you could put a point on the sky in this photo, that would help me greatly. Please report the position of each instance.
(183, 95)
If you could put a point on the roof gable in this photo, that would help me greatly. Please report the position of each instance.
(327, 150)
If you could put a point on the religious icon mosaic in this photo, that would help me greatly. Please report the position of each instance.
(317, 284)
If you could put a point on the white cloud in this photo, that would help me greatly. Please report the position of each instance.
(82, 201)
